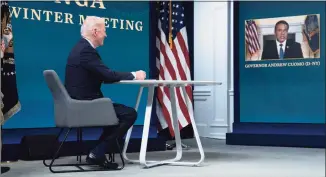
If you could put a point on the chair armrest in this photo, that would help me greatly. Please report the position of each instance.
(88, 113)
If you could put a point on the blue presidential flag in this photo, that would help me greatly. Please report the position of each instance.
(311, 31)
(10, 104)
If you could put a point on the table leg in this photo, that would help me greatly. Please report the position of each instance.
(125, 147)
(176, 160)
(145, 128)
(175, 122)
(144, 141)
(200, 147)
(143, 149)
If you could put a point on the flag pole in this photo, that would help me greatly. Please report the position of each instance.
(170, 24)
(173, 145)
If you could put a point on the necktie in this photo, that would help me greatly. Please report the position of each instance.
(281, 52)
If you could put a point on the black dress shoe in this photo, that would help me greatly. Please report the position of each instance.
(101, 161)
(170, 146)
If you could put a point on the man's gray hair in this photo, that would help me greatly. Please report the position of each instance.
(89, 23)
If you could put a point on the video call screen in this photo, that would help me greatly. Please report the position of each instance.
(281, 62)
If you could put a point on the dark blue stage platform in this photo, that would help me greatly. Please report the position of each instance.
(285, 135)
(12, 149)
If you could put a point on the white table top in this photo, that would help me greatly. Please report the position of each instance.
(168, 82)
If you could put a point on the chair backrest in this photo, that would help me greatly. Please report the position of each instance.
(58, 91)
(60, 97)
(71, 113)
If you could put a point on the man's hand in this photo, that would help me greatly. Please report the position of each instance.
(140, 75)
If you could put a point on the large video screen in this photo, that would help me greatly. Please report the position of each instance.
(281, 62)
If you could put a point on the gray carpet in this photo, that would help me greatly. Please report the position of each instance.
(221, 161)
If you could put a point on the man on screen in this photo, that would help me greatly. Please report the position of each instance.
(85, 72)
(281, 48)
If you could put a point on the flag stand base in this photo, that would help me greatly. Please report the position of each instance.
(4, 169)
(173, 145)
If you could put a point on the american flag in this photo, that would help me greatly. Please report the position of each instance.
(252, 37)
(172, 62)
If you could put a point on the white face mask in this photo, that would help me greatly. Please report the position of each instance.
(7, 38)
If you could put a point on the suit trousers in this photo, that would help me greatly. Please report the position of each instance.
(127, 117)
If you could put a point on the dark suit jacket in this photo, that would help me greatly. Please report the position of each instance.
(292, 50)
(85, 72)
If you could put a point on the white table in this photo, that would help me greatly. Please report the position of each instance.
(171, 84)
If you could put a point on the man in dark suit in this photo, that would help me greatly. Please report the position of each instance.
(281, 48)
(85, 72)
